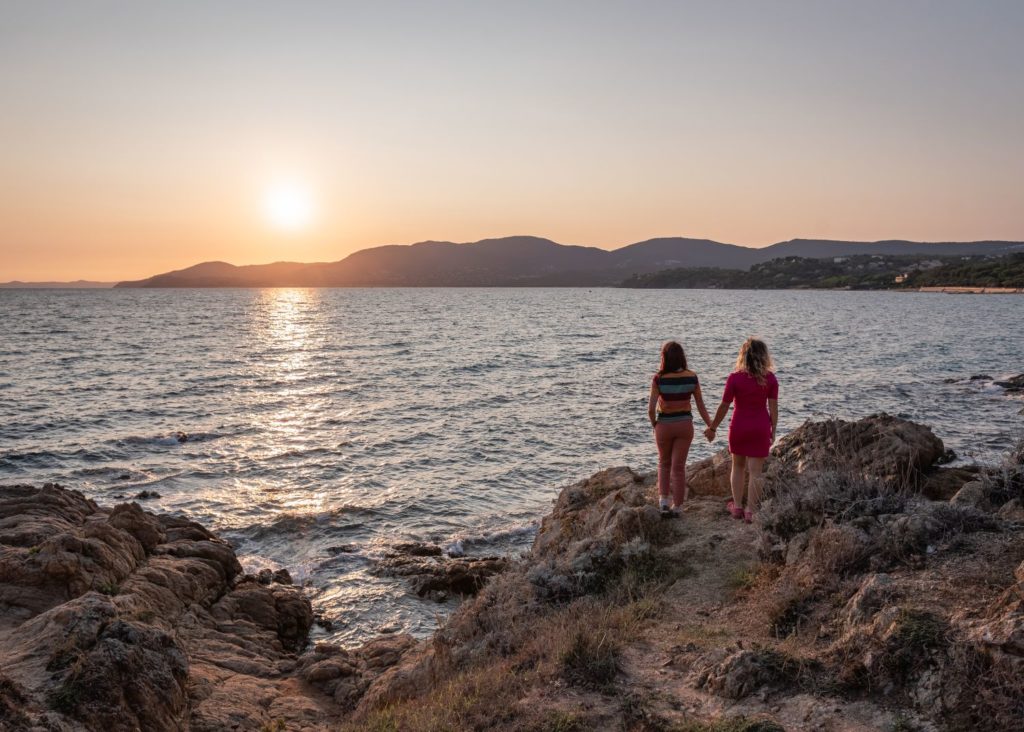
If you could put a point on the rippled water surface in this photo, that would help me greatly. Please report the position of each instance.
(324, 425)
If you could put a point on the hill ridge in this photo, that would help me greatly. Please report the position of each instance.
(527, 260)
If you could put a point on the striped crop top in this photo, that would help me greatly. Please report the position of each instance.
(674, 390)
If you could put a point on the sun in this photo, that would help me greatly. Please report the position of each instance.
(288, 206)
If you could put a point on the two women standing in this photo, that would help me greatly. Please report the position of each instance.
(755, 391)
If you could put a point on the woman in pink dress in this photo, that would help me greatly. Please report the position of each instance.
(752, 430)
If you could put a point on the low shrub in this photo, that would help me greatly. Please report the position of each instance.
(593, 658)
(907, 652)
(787, 607)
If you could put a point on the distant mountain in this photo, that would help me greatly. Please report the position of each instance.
(76, 285)
(529, 261)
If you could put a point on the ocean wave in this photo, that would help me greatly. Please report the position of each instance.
(114, 473)
(300, 453)
(50, 460)
(288, 524)
(459, 544)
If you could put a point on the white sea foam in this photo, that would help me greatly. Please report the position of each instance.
(458, 545)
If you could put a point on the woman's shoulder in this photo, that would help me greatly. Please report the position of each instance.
(675, 374)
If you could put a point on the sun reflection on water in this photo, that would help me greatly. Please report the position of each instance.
(288, 330)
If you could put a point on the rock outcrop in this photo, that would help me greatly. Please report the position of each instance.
(1013, 385)
(121, 619)
(855, 602)
(895, 450)
(431, 574)
(596, 528)
(851, 603)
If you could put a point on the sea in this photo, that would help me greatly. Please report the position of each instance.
(315, 428)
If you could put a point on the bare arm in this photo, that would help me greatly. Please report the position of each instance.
(652, 404)
(773, 410)
(700, 406)
(723, 409)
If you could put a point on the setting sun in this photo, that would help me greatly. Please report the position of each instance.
(288, 206)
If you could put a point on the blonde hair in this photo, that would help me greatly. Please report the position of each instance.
(755, 359)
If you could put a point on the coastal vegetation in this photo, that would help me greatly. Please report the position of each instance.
(857, 272)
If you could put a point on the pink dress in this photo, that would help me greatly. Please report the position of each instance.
(750, 431)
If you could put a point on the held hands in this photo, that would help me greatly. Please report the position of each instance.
(709, 433)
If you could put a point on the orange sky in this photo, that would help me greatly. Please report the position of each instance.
(140, 143)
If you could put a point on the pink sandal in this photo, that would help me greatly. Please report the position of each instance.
(737, 512)
(748, 516)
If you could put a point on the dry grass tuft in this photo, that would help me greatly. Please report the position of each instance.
(593, 659)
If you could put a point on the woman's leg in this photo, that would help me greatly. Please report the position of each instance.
(736, 476)
(680, 451)
(663, 439)
(755, 466)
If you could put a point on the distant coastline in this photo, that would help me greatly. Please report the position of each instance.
(954, 274)
(76, 285)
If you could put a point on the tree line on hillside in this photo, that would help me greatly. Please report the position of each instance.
(858, 272)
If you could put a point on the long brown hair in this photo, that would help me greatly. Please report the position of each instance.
(755, 359)
(673, 358)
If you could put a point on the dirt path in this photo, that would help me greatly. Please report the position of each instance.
(704, 613)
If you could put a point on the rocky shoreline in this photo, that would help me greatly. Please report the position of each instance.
(878, 589)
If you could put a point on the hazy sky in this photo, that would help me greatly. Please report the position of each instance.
(137, 137)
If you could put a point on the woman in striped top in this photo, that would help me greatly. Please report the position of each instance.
(672, 420)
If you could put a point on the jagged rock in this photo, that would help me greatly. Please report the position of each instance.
(948, 456)
(874, 593)
(460, 576)
(144, 527)
(283, 577)
(1012, 510)
(1013, 385)
(594, 528)
(744, 672)
(1003, 631)
(417, 549)
(131, 675)
(941, 484)
(146, 495)
(710, 476)
(345, 675)
(973, 494)
(124, 620)
(892, 449)
(432, 574)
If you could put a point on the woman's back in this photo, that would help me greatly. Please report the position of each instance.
(750, 396)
